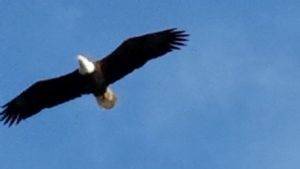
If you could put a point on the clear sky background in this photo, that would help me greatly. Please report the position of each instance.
(230, 99)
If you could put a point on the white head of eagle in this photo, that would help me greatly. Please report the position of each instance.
(93, 77)
(85, 66)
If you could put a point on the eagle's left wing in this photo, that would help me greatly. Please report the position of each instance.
(44, 94)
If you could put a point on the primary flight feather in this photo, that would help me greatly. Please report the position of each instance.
(92, 77)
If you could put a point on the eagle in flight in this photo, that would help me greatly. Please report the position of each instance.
(93, 77)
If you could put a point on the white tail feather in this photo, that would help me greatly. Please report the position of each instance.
(107, 100)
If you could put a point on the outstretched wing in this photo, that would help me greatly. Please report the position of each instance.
(135, 52)
(43, 94)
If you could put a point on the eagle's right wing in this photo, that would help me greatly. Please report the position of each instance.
(135, 52)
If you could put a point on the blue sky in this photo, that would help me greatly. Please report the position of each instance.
(230, 99)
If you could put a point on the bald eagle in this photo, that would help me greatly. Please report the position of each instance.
(92, 77)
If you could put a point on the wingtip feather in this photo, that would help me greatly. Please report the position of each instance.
(179, 37)
(171, 29)
(7, 117)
